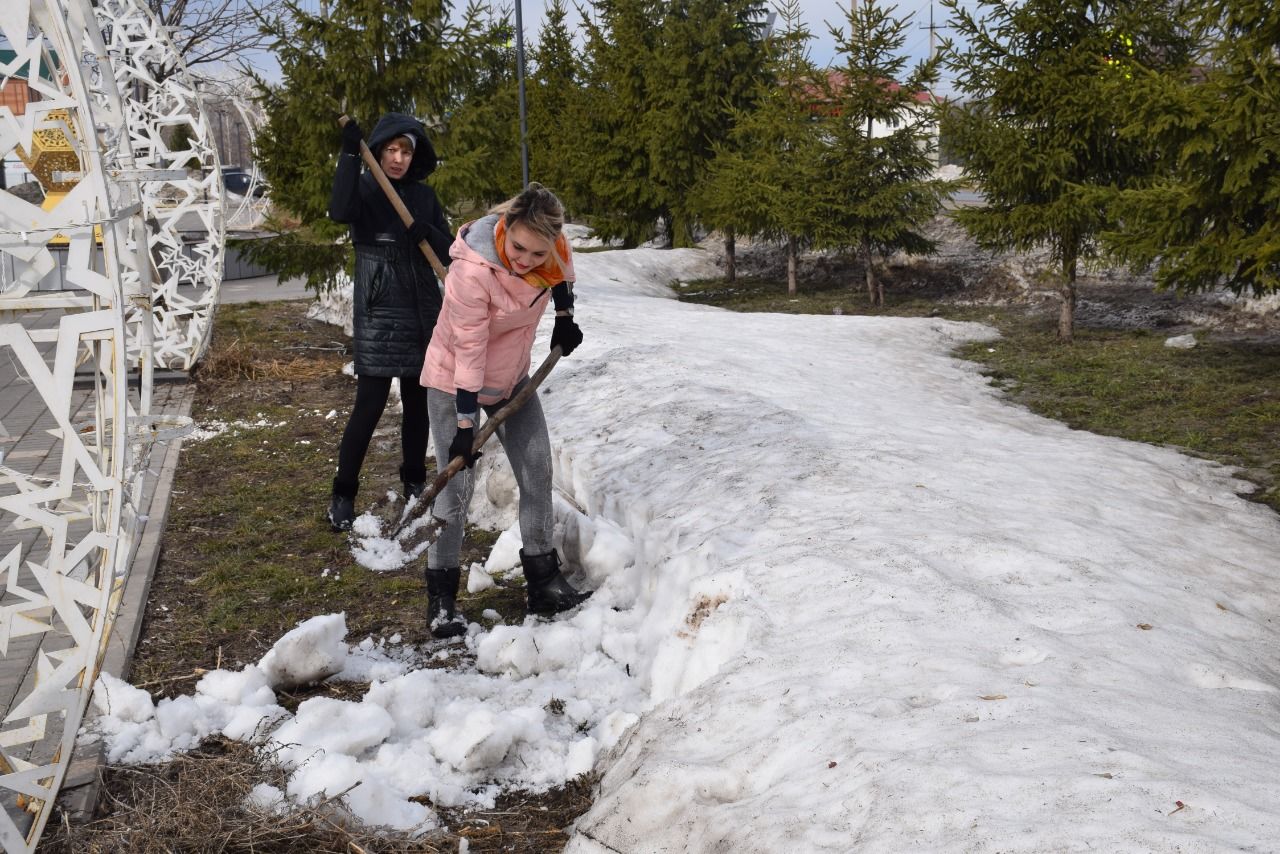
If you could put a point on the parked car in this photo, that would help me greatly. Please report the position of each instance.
(238, 181)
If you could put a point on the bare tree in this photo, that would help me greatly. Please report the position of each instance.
(206, 32)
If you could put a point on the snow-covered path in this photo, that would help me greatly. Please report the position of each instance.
(934, 629)
(850, 599)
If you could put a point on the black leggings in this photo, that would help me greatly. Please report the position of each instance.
(371, 400)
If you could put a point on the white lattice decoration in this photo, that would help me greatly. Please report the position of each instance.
(250, 210)
(65, 478)
(158, 99)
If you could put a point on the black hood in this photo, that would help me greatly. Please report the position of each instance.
(398, 124)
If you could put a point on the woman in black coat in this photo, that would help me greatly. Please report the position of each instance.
(396, 296)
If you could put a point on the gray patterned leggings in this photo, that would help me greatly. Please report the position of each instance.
(527, 444)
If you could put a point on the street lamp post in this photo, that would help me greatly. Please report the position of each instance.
(524, 129)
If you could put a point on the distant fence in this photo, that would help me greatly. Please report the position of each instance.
(235, 265)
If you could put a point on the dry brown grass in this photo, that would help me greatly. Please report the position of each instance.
(197, 803)
(236, 362)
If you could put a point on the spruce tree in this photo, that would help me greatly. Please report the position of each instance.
(717, 197)
(708, 62)
(480, 144)
(556, 113)
(763, 178)
(880, 188)
(620, 45)
(1037, 128)
(364, 58)
(1211, 219)
(662, 81)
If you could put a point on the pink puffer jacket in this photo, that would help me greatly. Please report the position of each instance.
(486, 327)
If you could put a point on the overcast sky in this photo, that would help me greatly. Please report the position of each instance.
(817, 15)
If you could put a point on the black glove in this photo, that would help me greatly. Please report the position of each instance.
(419, 230)
(566, 335)
(461, 446)
(351, 136)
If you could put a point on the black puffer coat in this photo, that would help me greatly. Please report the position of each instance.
(396, 297)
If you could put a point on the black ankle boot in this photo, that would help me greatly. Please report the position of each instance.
(342, 507)
(443, 617)
(549, 592)
(414, 484)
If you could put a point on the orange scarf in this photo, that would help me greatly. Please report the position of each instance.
(549, 273)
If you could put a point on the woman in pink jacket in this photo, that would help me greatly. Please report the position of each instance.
(506, 268)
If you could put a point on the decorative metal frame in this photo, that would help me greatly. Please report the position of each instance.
(69, 479)
(158, 97)
(111, 89)
(251, 210)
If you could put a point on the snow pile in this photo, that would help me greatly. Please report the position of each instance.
(312, 652)
(847, 598)
(334, 305)
(212, 429)
(949, 172)
(581, 236)
(532, 716)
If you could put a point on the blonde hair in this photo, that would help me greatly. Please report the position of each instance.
(537, 208)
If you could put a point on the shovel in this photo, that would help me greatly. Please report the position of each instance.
(456, 464)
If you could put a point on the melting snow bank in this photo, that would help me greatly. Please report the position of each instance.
(952, 624)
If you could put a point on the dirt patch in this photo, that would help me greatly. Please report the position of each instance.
(960, 273)
(703, 608)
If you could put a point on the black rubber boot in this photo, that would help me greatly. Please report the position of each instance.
(414, 485)
(443, 617)
(549, 592)
(342, 506)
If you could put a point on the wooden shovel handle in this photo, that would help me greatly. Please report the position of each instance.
(394, 198)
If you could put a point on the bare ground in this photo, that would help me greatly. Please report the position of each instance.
(960, 273)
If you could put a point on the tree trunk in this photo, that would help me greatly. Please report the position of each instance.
(793, 260)
(730, 263)
(875, 290)
(1067, 314)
